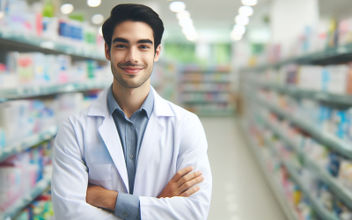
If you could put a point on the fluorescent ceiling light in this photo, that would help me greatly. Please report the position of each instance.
(183, 15)
(93, 3)
(239, 29)
(245, 10)
(242, 20)
(236, 37)
(97, 19)
(249, 2)
(177, 6)
(66, 8)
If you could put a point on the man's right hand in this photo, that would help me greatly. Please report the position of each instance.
(183, 183)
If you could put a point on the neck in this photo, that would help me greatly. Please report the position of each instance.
(130, 99)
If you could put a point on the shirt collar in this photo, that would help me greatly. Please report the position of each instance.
(147, 106)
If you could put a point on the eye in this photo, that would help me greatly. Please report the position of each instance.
(144, 47)
(120, 46)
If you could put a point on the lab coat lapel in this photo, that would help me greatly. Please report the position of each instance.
(151, 139)
(110, 136)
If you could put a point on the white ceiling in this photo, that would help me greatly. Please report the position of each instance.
(211, 18)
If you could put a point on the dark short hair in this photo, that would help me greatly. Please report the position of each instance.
(133, 12)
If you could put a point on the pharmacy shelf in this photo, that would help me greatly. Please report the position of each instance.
(341, 192)
(35, 91)
(304, 93)
(27, 142)
(331, 141)
(317, 206)
(41, 187)
(275, 187)
(32, 42)
(333, 55)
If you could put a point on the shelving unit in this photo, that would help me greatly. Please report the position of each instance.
(303, 93)
(30, 91)
(275, 187)
(35, 43)
(41, 187)
(341, 192)
(333, 55)
(206, 91)
(251, 85)
(27, 143)
(11, 41)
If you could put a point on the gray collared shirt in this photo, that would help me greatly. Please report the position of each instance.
(131, 131)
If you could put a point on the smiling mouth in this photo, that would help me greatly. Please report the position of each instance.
(131, 69)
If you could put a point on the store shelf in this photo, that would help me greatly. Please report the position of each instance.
(341, 192)
(35, 91)
(320, 210)
(334, 55)
(28, 142)
(39, 189)
(331, 141)
(310, 94)
(15, 40)
(275, 187)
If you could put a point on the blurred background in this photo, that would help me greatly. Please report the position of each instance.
(271, 81)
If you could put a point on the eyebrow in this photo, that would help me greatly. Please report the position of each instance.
(123, 40)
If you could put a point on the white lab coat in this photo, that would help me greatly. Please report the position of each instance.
(88, 149)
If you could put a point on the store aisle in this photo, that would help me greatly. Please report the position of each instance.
(240, 191)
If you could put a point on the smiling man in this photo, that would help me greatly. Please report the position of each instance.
(131, 154)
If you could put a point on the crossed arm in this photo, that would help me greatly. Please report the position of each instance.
(184, 183)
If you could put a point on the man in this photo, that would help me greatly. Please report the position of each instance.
(131, 154)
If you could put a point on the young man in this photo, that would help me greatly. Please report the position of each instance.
(131, 154)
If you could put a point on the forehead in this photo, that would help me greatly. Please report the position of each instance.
(133, 31)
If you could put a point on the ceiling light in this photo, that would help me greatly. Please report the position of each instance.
(242, 20)
(177, 6)
(97, 19)
(239, 29)
(245, 10)
(93, 3)
(183, 15)
(249, 2)
(236, 37)
(66, 8)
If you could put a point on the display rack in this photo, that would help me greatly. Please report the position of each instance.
(41, 187)
(206, 91)
(250, 87)
(332, 55)
(28, 142)
(330, 140)
(274, 186)
(36, 91)
(316, 204)
(11, 41)
(341, 192)
(304, 93)
(35, 43)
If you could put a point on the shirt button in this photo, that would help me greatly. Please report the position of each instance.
(131, 156)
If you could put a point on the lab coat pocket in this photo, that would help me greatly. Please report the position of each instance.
(101, 175)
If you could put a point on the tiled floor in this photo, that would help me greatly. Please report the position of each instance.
(240, 191)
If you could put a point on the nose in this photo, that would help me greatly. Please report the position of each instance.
(132, 55)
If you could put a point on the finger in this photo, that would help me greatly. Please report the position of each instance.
(179, 174)
(190, 191)
(189, 184)
(187, 177)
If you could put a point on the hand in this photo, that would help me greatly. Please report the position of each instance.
(100, 197)
(182, 184)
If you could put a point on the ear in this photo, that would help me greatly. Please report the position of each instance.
(107, 52)
(157, 53)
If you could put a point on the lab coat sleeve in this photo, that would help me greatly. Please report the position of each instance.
(193, 152)
(70, 178)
